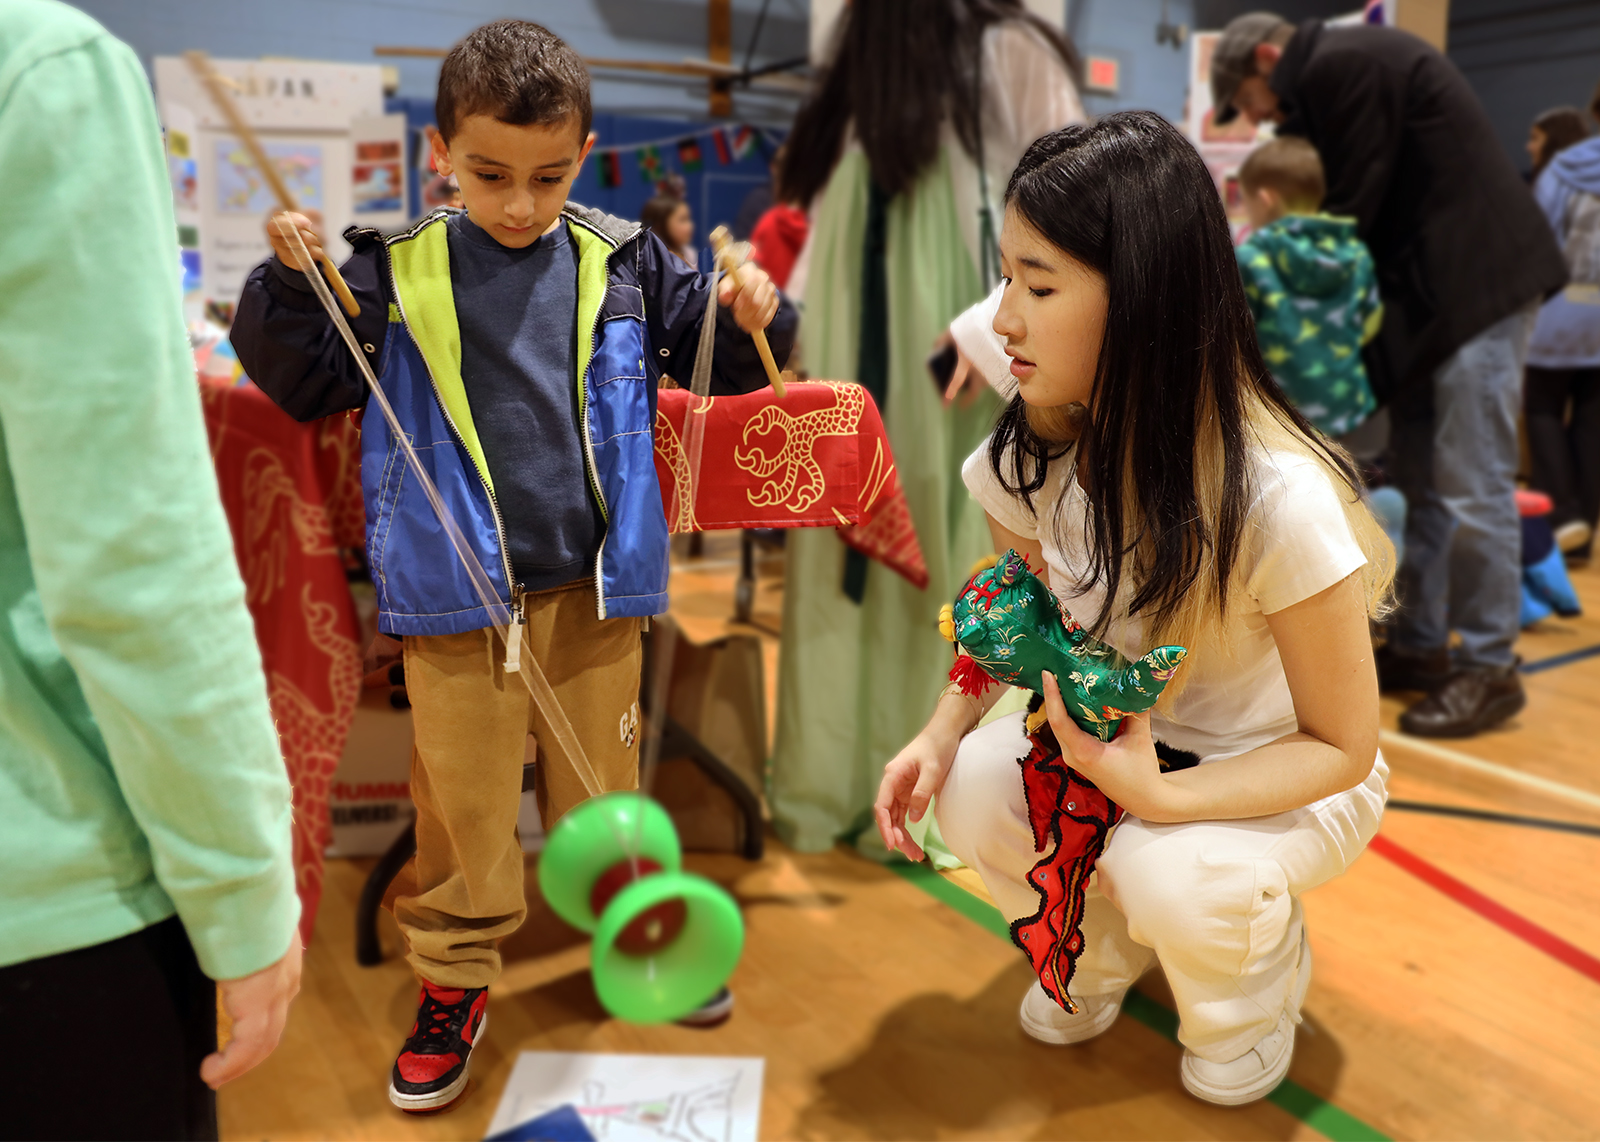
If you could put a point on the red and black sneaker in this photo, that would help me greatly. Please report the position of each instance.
(432, 1068)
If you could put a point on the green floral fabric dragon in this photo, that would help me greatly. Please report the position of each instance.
(1010, 628)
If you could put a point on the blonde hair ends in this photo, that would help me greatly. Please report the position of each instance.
(1198, 620)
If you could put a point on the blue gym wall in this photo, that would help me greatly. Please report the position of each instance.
(1526, 56)
(1155, 77)
(714, 193)
(626, 112)
(660, 30)
(1521, 56)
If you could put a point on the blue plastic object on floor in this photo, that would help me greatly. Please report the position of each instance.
(563, 1124)
(1389, 506)
(1533, 607)
(1548, 581)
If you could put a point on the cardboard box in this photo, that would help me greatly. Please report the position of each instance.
(370, 798)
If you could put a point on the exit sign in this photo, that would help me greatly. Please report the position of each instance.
(1102, 74)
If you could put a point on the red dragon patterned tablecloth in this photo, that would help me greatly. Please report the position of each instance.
(293, 497)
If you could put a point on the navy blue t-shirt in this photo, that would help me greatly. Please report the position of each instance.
(518, 313)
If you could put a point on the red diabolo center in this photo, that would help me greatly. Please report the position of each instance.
(655, 927)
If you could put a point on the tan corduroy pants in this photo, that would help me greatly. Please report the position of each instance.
(464, 890)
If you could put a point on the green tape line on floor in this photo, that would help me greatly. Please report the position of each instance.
(1314, 1110)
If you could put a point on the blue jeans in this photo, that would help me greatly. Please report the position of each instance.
(1462, 567)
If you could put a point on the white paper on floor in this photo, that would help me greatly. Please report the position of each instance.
(638, 1098)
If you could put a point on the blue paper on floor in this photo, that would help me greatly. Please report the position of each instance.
(563, 1124)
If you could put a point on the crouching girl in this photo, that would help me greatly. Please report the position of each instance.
(1151, 466)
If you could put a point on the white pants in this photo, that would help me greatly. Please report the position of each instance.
(1215, 902)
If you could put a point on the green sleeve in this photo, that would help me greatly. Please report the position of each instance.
(127, 539)
(1370, 308)
(1244, 254)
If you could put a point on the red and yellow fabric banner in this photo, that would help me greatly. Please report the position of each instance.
(818, 458)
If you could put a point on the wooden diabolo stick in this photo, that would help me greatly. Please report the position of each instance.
(216, 86)
(721, 245)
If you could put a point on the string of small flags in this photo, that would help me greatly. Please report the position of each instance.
(730, 144)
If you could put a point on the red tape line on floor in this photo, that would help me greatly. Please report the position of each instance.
(1496, 913)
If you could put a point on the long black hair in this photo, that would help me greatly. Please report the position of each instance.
(1181, 395)
(899, 69)
(1562, 127)
(657, 213)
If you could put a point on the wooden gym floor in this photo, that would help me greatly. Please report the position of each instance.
(1456, 991)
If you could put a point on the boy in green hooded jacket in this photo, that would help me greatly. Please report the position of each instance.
(1311, 285)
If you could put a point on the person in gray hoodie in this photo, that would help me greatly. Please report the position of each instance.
(1564, 351)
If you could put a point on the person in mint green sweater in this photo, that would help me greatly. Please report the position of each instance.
(145, 843)
(1311, 284)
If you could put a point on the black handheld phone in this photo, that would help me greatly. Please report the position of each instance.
(942, 366)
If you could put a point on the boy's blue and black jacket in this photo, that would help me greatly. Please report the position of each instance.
(639, 315)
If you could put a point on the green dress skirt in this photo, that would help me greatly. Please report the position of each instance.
(857, 681)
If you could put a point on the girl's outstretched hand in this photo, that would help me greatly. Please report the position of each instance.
(909, 784)
(1125, 768)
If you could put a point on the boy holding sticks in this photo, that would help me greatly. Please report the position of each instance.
(519, 341)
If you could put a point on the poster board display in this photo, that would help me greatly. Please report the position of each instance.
(369, 799)
(182, 142)
(323, 126)
(378, 171)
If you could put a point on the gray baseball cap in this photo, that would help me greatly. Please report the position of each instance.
(1235, 58)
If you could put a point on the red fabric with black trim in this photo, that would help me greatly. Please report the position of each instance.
(1071, 820)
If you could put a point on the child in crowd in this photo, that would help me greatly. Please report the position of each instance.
(1173, 495)
(781, 232)
(520, 341)
(1311, 285)
(1552, 132)
(670, 219)
(1562, 390)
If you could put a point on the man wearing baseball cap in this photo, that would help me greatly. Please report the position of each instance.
(1463, 258)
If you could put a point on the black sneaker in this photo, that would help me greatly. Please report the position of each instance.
(714, 1012)
(432, 1068)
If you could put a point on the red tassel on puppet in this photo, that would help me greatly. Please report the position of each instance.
(969, 677)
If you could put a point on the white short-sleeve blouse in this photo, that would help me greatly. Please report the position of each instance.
(1297, 543)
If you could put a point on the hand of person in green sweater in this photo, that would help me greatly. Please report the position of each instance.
(258, 1004)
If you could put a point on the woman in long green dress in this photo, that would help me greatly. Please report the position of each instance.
(901, 152)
